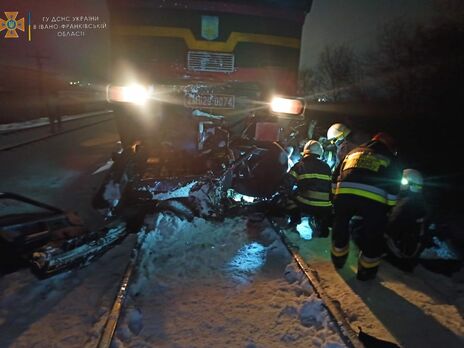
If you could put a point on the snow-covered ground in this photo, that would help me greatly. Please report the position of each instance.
(419, 309)
(199, 284)
(205, 284)
(227, 284)
(66, 310)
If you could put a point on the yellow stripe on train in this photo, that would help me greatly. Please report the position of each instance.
(215, 46)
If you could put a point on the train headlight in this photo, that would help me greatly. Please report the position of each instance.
(287, 106)
(135, 94)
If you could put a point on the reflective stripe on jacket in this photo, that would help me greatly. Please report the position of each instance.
(313, 180)
(366, 191)
(369, 171)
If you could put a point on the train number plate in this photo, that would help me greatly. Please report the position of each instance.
(210, 101)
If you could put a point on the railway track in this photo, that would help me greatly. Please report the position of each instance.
(19, 140)
(348, 334)
(115, 312)
(343, 329)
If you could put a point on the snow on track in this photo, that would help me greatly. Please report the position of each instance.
(66, 310)
(223, 284)
(418, 309)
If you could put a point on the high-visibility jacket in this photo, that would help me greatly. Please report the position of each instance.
(370, 171)
(313, 180)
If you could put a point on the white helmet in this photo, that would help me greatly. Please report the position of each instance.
(337, 131)
(313, 147)
(412, 180)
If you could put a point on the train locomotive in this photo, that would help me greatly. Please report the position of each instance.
(203, 98)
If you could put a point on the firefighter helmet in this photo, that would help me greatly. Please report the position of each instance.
(337, 132)
(412, 180)
(313, 147)
(387, 140)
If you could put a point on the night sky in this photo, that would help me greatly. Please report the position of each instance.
(330, 22)
(354, 22)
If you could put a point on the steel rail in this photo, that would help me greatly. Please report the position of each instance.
(347, 334)
(35, 140)
(75, 117)
(113, 317)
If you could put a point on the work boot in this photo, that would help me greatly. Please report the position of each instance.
(366, 273)
(339, 261)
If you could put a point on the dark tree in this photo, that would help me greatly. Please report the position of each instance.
(420, 68)
(336, 76)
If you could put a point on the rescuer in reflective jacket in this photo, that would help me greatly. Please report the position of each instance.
(312, 179)
(341, 140)
(336, 137)
(366, 184)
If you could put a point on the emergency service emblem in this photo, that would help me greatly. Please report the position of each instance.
(11, 25)
(209, 27)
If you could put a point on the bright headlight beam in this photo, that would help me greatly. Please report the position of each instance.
(135, 94)
(286, 106)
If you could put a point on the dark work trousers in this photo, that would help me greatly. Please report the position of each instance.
(374, 214)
